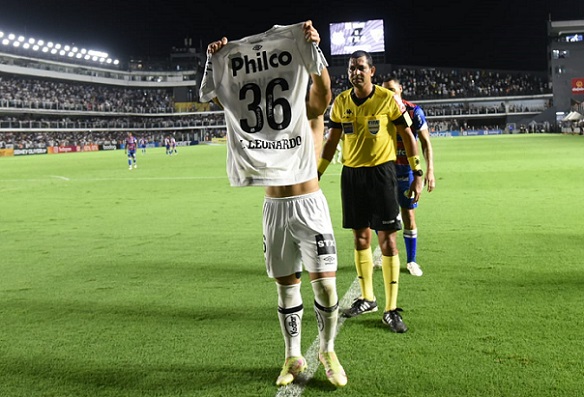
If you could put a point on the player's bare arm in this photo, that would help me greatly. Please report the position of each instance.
(328, 150)
(411, 147)
(429, 179)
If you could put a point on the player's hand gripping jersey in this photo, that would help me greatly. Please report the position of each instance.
(261, 81)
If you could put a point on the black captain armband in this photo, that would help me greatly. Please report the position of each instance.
(404, 120)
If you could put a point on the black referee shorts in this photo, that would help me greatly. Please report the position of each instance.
(369, 196)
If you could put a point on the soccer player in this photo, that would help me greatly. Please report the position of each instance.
(367, 118)
(167, 145)
(270, 144)
(130, 149)
(142, 141)
(405, 175)
(173, 146)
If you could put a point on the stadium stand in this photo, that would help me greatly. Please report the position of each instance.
(45, 102)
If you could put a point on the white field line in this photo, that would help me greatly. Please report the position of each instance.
(129, 179)
(297, 388)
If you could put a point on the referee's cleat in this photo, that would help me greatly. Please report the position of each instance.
(292, 367)
(393, 320)
(360, 306)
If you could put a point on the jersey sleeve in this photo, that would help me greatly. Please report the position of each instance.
(398, 113)
(207, 89)
(311, 54)
(419, 119)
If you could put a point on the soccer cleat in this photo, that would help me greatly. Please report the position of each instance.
(393, 320)
(334, 370)
(292, 367)
(414, 269)
(360, 306)
(130, 168)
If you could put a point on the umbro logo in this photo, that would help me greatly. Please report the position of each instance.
(257, 47)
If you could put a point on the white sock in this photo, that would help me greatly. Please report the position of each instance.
(290, 311)
(326, 307)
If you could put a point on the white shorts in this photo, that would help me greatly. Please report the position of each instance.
(298, 230)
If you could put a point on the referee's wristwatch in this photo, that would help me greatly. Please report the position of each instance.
(418, 172)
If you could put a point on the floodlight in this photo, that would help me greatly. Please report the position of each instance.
(5, 41)
(45, 49)
(74, 49)
(50, 44)
(83, 51)
(1, 34)
(16, 43)
(87, 57)
(31, 41)
(41, 42)
(78, 55)
(35, 47)
(71, 54)
(62, 52)
(100, 54)
(26, 46)
(66, 48)
(58, 46)
(53, 51)
(21, 38)
(11, 36)
(116, 62)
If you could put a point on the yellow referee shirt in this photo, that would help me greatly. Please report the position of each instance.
(368, 126)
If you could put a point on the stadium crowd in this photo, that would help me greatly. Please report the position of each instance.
(56, 105)
(30, 93)
(431, 83)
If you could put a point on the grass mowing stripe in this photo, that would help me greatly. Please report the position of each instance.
(311, 355)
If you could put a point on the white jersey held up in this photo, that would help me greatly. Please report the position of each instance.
(262, 82)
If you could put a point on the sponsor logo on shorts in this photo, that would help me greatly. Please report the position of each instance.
(325, 244)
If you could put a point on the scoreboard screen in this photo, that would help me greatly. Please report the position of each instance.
(348, 37)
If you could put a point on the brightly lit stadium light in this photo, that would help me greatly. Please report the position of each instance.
(49, 47)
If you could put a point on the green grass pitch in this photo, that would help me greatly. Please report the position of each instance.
(151, 282)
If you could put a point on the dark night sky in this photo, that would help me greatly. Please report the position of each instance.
(495, 34)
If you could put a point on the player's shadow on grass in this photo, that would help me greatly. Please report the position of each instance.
(309, 382)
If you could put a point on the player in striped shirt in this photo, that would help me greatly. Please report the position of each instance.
(405, 175)
(130, 150)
